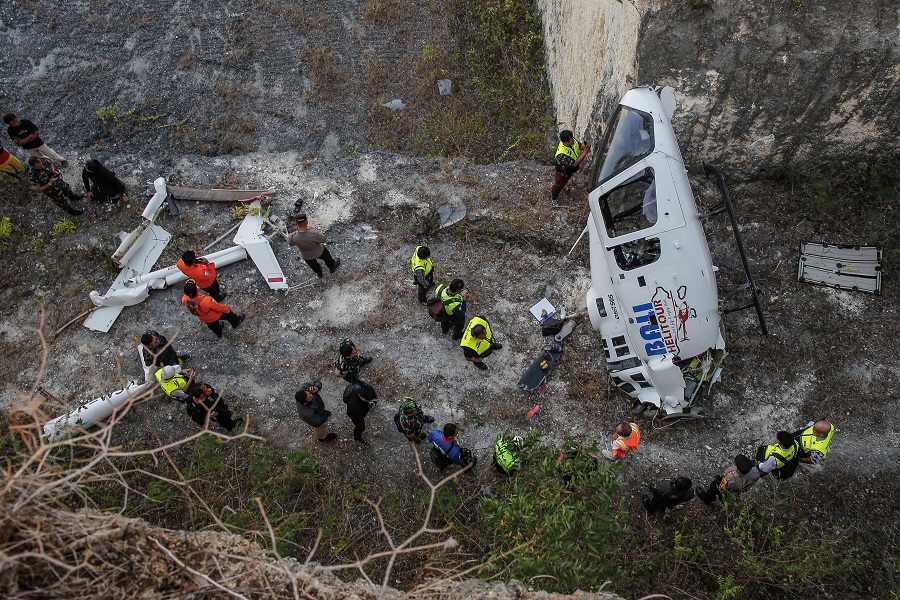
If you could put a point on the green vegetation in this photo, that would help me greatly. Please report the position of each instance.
(499, 109)
(62, 228)
(5, 230)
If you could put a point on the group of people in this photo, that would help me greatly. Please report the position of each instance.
(781, 459)
(100, 184)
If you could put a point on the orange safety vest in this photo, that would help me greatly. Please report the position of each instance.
(629, 443)
(206, 309)
(204, 275)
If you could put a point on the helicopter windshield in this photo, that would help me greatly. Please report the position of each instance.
(629, 139)
(631, 206)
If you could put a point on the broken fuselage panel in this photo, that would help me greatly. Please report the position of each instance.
(653, 294)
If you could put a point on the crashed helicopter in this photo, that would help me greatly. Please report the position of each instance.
(653, 294)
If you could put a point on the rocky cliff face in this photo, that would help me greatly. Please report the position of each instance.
(758, 83)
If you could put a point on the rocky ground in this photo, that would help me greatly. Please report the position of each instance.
(829, 354)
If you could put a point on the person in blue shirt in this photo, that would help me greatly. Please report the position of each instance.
(445, 451)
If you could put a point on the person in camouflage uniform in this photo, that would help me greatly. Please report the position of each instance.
(44, 175)
(412, 420)
(350, 362)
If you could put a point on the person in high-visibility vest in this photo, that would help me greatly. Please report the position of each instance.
(628, 435)
(423, 271)
(780, 458)
(506, 457)
(208, 310)
(454, 300)
(478, 342)
(814, 441)
(174, 381)
(202, 272)
(569, 156)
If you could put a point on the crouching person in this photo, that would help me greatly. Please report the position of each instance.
(445, 451)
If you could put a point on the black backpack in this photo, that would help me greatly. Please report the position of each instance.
(440, 459)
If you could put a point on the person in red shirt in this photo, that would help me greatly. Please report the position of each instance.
(202, 272)
(208, 310)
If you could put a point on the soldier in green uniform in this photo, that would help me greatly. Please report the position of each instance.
(44, 175)
(350, 362)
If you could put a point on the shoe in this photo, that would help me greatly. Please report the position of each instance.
(327, 413)
(480, 366)
(236, 424)
(79, 197)
(373, 404)
(320, 275)
(337, 265)
(329, 438)
(428, 419)
(362, 443)
(65, 163)
(608, 455)
(184, 357)
(496, 346)
(222, 296)
(645, 500)
(241, 318)
(364, 361)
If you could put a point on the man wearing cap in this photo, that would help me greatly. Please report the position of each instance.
(814, 441)
(311, 409)
(311, 244)
(350, 363)
(175, 382)
(735, 479)
(208, 310)
(158, 351)
(206, 404)
(202, 272)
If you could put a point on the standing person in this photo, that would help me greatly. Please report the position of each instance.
(311, 409)
(202, 272)
(780, 458)
(569, 156)
(311, 244)
(478, 342)
(158, 351)
(50, 183)
(423, 271)
(668, 494)
(205, 404)
(814, 441)
(175, 382)
(360, 398)
(454, 305)
(445, 451)
(735, 479)
(411, 420)
(102, 185)
(628, 436)
(208, 310)
(10, 164)
(26, 136)
(350, 363)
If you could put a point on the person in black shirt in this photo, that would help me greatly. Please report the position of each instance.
(101, 184)
(26, 136)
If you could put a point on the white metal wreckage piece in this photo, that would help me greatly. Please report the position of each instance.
(141, 248)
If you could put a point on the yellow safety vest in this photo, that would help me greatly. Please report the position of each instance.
(418, 263)
(451, 301)
(782, 456)
(811, 442)
(470, 341)
(176, 383)
(570, 151)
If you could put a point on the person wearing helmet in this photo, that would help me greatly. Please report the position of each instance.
(175, 381)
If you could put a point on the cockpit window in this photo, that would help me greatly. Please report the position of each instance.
(631, 206)
(637, 253)
(629, 139)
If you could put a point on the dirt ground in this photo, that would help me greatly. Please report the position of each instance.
(830, 354)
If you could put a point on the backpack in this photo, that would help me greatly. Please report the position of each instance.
(439, 459)
(397, 423)
(436, 310)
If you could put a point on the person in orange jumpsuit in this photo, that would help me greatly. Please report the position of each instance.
(208, 310)
(202, 272)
